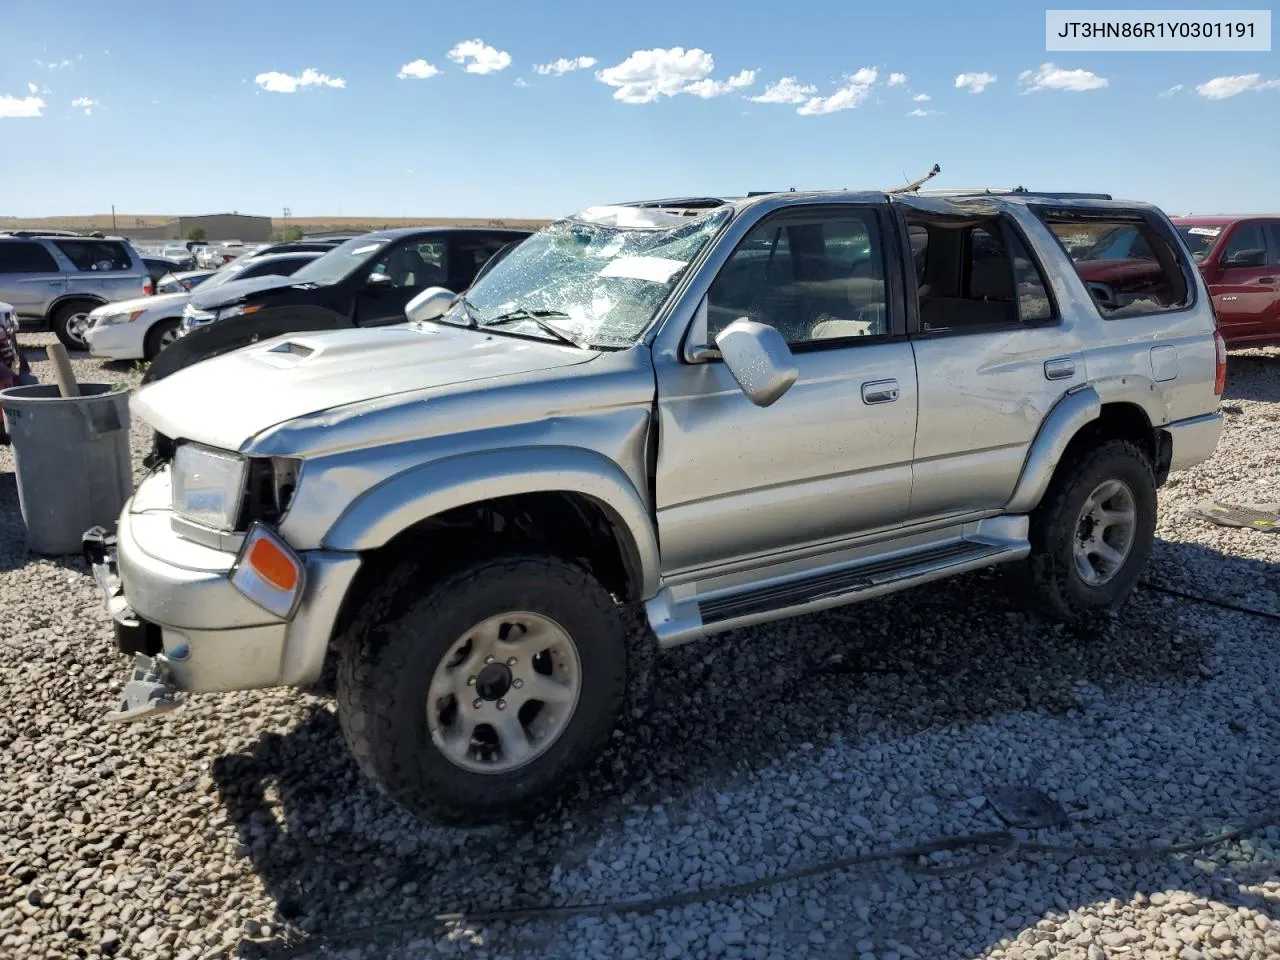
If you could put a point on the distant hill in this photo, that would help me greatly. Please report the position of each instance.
(87, 223)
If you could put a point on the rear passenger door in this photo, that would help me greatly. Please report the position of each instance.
(1272, 319)
(29, 277)
(992, 357)
(829, 460)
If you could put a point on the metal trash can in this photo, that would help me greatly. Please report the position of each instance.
(72, 461)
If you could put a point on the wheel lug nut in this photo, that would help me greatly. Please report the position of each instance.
(471, 681)
(517, 683)
(502, 704)
(488, 659)
(477, 703)
(511, 661)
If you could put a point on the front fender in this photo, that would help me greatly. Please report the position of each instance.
(426, 491)
(1063, 422)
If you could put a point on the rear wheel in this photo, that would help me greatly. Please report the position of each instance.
(481, 696)
(1092, 533)
(70, 321)
(160, 336)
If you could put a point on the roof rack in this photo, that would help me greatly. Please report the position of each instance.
(1015, 191)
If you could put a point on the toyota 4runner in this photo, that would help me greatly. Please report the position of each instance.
(710, 412)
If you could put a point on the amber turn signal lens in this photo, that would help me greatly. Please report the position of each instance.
(273, 565)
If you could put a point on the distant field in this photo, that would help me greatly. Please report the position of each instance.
(125, 221)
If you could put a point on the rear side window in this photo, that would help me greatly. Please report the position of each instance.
(1273, 231)
(24, 257)
(1128, 265)
(95, 254)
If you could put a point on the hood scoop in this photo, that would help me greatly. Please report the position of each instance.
(287, 354)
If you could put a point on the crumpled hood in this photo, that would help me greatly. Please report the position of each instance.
(203, 298)
(226, 401)
(140, 303)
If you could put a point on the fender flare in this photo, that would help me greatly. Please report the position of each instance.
(422, 492)
(1069, 415)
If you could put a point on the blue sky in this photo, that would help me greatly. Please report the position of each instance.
(421, 108)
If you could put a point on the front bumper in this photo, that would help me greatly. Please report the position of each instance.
(116, 341)
(173, 599)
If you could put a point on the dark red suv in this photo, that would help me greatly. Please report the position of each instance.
(1240, 260)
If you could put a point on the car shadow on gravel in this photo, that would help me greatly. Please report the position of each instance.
(953, 654)
(1253, 376)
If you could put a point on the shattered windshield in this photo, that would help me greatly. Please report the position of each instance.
(598, 278)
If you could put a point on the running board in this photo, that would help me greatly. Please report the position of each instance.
(676, 621)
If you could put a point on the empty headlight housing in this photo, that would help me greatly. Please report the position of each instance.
(208, 485)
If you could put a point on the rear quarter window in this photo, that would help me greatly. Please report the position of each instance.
(95, 254)
(1129, 264)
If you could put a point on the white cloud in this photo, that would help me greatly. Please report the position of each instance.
(11, 107)
(32, 88)
(1172, 90)
(786, 90)
(917, 112)
(417, 70)
(974, 82)
(647, 75)
(897, 79)
(708, 88)
(85, 104)
(62, 65)
(1052, 77)
(521, 82)
(921, 97)
(478, 57)
(276, 82)
(558, 68)
(856, 89)
(1220, 88)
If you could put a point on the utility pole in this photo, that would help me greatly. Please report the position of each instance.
(113, 220)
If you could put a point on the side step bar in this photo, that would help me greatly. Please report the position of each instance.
(677, 621)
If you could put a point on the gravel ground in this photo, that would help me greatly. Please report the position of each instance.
(238, 826)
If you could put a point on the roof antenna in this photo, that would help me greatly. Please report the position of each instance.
(915, 185)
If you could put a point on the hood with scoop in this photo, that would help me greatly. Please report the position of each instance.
(226, 401)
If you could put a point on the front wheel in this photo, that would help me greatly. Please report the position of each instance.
(482, 695)
(1092, 533)
(161, 334)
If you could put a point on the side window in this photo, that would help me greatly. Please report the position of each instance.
(918, 234)
(1148, 280)
(469, 255)
(22, 257)
(415, 264)
(1034, 304)
(95, 254)
(1246, 247)
(1273, 232)
(813, 279)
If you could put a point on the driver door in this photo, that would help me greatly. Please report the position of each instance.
(411, 267)
(832, 458)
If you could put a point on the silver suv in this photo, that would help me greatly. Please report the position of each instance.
(59, 279)
(708, 412)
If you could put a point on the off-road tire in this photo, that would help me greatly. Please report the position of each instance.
(152, 344)
(1050, 581)
(62, 317)
(399, 637)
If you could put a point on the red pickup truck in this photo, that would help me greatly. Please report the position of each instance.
(1239, 257)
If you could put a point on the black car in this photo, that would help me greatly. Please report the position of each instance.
(366, 281)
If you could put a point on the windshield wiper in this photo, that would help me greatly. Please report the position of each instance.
(539, 317)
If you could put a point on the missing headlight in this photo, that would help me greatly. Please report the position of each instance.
(269, 490)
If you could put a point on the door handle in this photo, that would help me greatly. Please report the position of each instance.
(1266, 279)
(1059, 369)
(880, 391)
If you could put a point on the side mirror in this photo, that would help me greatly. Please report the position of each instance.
(429, 304)
(1245, 258)
(758, 358)
(378, 281)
